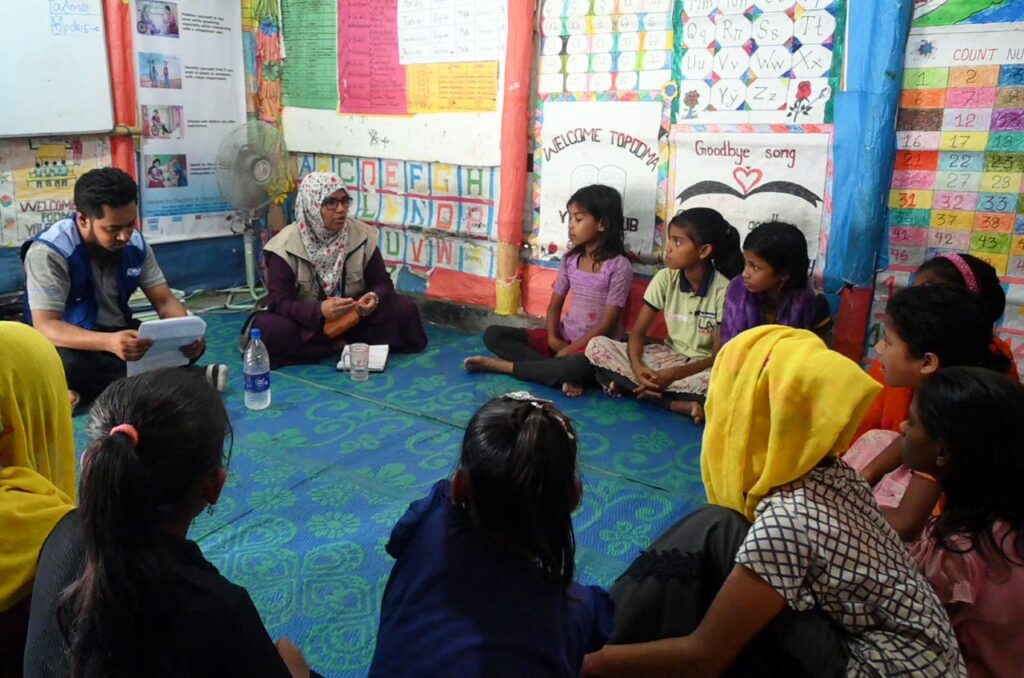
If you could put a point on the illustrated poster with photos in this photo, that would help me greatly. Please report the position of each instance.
(191, 93)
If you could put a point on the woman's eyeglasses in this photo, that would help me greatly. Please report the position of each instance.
(335, 203)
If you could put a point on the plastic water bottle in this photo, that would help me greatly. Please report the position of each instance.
(257, 373)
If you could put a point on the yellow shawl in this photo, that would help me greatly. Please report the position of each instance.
(779, 402)
(37, 454)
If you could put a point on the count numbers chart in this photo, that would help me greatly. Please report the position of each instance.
(959, 170)
(960, 159)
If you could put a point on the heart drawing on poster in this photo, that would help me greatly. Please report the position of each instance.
(747, 178)
(754, 177)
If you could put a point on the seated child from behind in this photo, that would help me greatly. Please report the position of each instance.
(965, 440)
(483, 578)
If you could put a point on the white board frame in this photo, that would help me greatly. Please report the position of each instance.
(39, 98)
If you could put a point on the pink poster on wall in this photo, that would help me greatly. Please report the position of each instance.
(370, 78)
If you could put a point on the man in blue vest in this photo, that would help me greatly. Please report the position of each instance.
(80, 274)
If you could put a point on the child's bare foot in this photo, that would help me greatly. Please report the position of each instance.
(643, 394)
(483, 363)
(613, 389)
(572, 390)
(691, 409)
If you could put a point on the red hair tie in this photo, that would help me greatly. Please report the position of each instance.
(128, 430)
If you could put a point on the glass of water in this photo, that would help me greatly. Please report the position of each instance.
(359, 359)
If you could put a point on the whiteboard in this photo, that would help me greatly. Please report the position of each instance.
(57, 77)
(472, 139)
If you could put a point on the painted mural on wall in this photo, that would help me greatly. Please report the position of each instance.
(37, 180)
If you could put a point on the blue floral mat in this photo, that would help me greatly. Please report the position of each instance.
(318, 479)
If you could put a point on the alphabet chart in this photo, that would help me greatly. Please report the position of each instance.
(959, 165)
(605, 45)
(757, 61)
(430, 214)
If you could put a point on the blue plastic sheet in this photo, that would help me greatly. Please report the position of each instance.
(865, 138)
(208, 264)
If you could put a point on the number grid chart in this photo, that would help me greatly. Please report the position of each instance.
(959, 167)
(605, 45)
(959, 170)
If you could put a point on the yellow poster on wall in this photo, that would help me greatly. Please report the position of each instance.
(452, 87)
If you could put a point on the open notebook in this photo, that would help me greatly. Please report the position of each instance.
(378, 358)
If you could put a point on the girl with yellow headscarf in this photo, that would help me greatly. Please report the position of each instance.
(37, 468)
(792, 570)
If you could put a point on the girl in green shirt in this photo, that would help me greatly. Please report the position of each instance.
(702, 252)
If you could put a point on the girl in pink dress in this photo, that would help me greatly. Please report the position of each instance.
(965, 438)
(599, 274)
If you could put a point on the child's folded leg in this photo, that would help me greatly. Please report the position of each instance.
(609, 355)
(516, 343)
(554, 372)
(613, 383)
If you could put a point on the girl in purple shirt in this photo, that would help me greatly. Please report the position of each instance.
(774, 288)
(599, 275)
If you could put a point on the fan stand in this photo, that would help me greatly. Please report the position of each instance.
(252, 293)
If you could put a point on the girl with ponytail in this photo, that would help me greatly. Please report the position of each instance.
(483, 579)
(120, 590)
(702, 252)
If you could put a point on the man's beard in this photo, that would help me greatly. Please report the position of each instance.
(103, 257)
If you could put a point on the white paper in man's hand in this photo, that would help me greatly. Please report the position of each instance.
(169, 337)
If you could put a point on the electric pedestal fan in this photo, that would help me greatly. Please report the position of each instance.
(251, 168)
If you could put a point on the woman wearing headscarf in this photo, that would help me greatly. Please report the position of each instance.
(37, 472)
(792, 570)
(326, 269)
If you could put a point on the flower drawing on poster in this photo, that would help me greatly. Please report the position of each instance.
(691, 100)
(753, 178)
(590, 142)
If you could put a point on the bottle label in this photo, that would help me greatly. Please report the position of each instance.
(257, 383)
